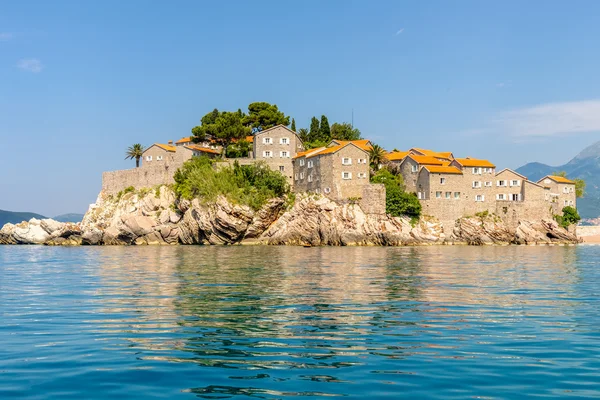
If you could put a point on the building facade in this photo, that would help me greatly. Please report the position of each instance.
(277, 146)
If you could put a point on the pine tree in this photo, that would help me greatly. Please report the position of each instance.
(324, 131)
(313, 133)
(293, 124)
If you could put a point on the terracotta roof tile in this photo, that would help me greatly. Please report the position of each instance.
(203, 149)
(166, 147)
(473, 162)
(184, 140)
(396, 155)
(558, 179)
(426, 160)
(436, 169)
(364, 144)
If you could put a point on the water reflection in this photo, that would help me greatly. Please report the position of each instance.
(273, 322)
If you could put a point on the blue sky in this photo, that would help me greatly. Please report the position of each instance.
(510, 81)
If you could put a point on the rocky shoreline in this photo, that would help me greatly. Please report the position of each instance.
(156, 217)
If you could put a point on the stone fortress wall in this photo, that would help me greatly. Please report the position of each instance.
(115, 181)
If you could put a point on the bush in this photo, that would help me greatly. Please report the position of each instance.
(397, 201)
(251, 185)
(570, 217)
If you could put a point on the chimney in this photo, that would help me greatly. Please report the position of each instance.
(170, 142)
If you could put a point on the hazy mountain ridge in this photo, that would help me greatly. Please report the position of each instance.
(72, 217)
(14, 217)
(586, 166)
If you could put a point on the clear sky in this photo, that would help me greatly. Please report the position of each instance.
(511, 81)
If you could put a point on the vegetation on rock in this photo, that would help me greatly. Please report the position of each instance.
(397, 201)
(570, 217)
(251, 185)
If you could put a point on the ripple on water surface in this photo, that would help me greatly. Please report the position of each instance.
(280, 322)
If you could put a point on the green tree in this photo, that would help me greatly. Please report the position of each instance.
(293, 127)
(240, 148)
(579, 183)
(303, 133)
(344, 131)
(262, 115)
(223, 127)
(570, 217)
(376, 156)
(313, 133)
(397, 201)
(324, 131)
(135, 152)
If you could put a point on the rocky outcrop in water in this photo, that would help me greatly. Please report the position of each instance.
(157, 217)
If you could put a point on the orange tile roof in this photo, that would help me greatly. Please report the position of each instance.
(203, 149)
(363, 143)
(166, 147)
(431, 153)
(425, 160)
(307, 152)
(559, 179)
(184, 140)
(473, 162)
(396, 155)
(436, 169)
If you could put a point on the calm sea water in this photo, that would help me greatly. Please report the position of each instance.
(283, 322)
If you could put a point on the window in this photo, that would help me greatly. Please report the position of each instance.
(565, 190)
(317, 190)
(420, 195)
(479, 197)
(566, 202)
(362, 160)
(571, 190)
(346, 161)
(296, 177)
(515, 183)
(457, 195)
(284, 140)
(310, 164)
(414, 168)
(346, 175)
(301, 175)
(159, 158)
(302, 162)
(362, 175)
(448, 195)
(477, 170)
(442, 181)
(148, 158)
(284, 154)
(310, 178)
(267, 153)
(501, 183)
(476, 184)
(488, 184)
(500, 197)
(516, 197)
(281, 168)
(267, 140)
(485, 170)
(327, 190)
(438, 195)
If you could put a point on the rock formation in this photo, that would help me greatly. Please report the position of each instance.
(150, 217)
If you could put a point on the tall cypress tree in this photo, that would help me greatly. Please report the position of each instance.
(324, 130)
(313, 134)
(293, 124)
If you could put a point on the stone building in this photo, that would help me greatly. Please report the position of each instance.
(561, 191)
(277, 146)
(339, 172)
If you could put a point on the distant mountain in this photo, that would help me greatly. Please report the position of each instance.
(586, 166)
(16, 217)
(69, 218)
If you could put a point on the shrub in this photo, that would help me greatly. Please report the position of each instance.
(251, 185)
(570, 217)
(397, 201)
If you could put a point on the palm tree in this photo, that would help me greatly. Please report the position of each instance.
(376, 156)
(136, 152)
(303, 133)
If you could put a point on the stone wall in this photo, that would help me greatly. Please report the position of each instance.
(373, 199)
(149, 176)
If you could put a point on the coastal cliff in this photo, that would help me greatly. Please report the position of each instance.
(157, 217)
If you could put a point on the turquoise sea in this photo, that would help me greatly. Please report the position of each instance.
(284, 322)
